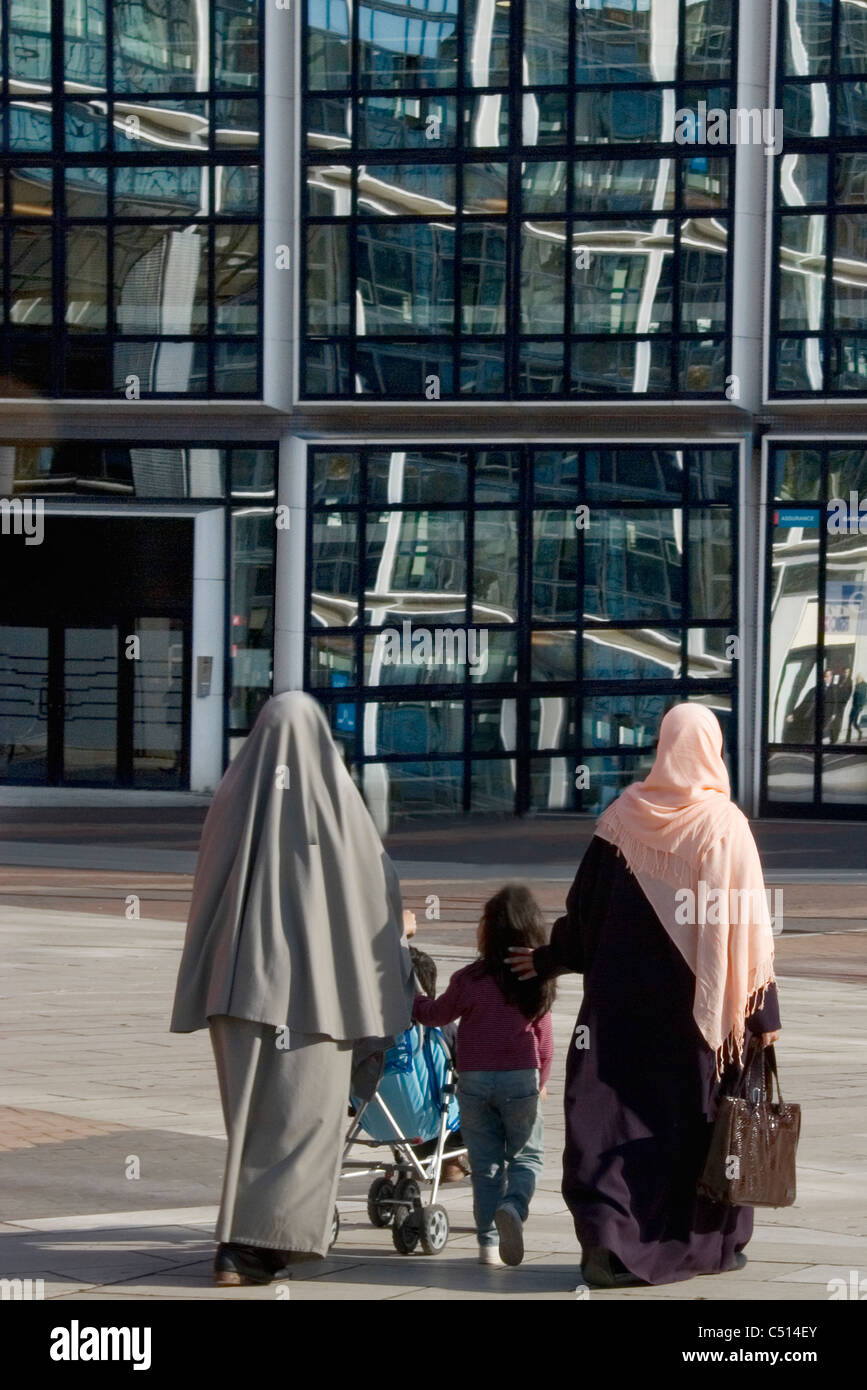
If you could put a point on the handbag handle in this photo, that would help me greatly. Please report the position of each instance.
(771, 1074)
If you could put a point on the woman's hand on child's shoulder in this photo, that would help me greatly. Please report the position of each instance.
(520, 960)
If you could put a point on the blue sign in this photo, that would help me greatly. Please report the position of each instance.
(789, 516)
(344, 715)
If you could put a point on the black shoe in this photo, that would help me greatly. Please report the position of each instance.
(236, 1265)
(740, 1260)
(601, 1269)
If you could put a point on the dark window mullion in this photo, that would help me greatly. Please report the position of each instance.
(578, 752)
(819, 702)
(468, 622)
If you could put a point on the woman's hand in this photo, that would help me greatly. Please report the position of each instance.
(543, 1094)
(767, 1038)
(410, 925)
(520, 960)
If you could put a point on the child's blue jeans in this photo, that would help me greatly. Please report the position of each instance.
(501, 1123)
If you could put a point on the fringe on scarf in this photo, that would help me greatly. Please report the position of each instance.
(730, 1049)
(640, 858)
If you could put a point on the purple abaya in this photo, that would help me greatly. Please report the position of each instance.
(640, 1096)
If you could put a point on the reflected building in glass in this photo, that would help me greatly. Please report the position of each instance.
(481, 366)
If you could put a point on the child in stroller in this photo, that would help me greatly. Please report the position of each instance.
(404, 1098)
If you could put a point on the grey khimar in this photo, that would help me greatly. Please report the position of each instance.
(296, 912)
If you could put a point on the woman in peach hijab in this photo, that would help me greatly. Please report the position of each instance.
(668, 922)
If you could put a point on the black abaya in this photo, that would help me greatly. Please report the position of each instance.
(640, 1090)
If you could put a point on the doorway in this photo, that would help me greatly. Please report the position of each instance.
(94, 664)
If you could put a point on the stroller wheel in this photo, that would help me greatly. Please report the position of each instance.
(405, 1233)
(335, 1228)
(408, 1191)
(434, 1229)
(380, 1194)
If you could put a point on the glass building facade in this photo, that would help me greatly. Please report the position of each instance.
(496, 202)
(132, 187)
(495, 630)
(493, 369)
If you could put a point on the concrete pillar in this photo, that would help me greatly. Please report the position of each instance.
(290, 566)
(209, 612)
(754, 171)
(280, 227)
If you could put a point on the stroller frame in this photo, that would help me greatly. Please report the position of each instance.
(394, 1198)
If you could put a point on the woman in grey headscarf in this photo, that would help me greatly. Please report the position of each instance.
(294, 950)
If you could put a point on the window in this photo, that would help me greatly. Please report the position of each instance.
(501, 628)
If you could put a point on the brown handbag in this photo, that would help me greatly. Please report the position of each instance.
(751, 1161)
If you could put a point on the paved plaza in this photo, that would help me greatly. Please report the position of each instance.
(111, 1136)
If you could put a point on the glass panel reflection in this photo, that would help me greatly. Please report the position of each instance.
(252, 603)
(414, 726)
(405, 278)
(495, 567)
(90, 705)
(493, 725)
(633, 654)
(334, 570)
(158, 703)
(160, 49)
(802, 271)
(400, 51)
(622, 279)
(332, 661)
(806, 29)
(553, 655)
(399, 793)
(790, 776)
(614, 185)
(492, 786)
(710, 563)
(844, 780)
(161, 279)
(612, 721)
(553, 722)
(609, 776)
(633, 564)
(845, 660)
(408, 475)
(555, 564)
(416, 553)
(23, 703)
(794, 626)
(486, 43)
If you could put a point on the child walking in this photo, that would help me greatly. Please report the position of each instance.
(504, 1051)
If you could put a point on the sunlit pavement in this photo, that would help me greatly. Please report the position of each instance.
(111, 1140)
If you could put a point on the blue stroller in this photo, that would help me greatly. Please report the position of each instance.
(404, 1099)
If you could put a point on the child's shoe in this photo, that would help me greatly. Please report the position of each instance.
(511, 1231)
(489, 1255)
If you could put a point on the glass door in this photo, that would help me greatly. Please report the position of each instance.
(95, 704)
(158, 702)
(90, 705)
(24, 704)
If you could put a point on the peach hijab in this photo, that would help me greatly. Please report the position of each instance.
(679, 830)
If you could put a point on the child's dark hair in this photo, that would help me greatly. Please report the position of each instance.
(512, 917)
(425, 971)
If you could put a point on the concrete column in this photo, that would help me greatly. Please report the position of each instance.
(751, 573)
(209, 595)
(753, 177)
(280, 227)
(290, 566)
(753, 170)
